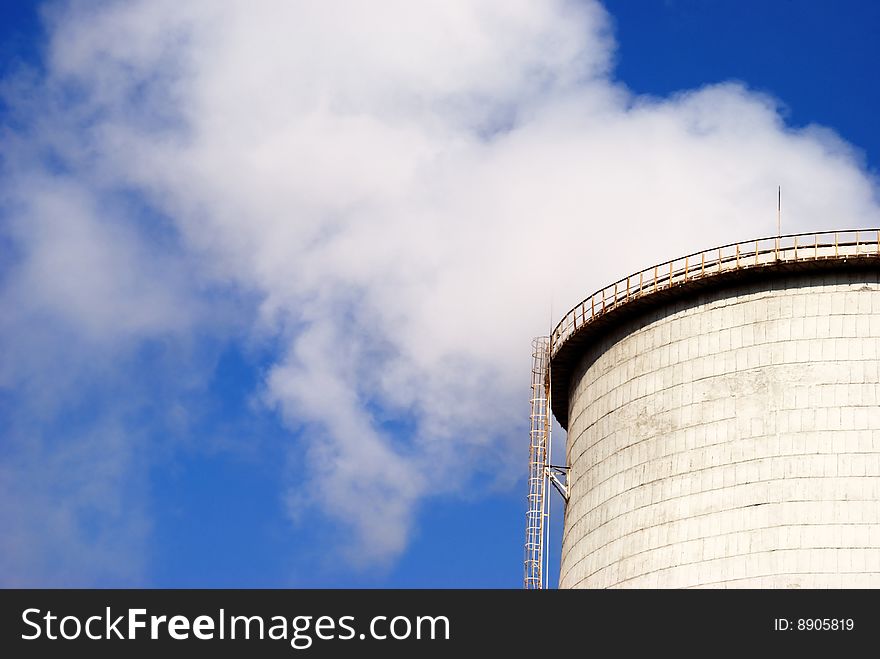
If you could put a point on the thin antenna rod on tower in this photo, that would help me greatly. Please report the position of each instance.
(778, 218)
(779, 211)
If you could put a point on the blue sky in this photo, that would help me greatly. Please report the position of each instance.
(269, 276)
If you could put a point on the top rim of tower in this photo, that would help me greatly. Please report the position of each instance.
(682, 275)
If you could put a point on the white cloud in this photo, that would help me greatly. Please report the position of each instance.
(408, 187)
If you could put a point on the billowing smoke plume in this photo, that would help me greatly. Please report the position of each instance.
(405, 189)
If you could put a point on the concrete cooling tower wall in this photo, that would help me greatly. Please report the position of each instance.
(727, 435)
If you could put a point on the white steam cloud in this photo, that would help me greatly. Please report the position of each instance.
(406, 187)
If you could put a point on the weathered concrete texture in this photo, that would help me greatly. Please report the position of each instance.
(731, 440)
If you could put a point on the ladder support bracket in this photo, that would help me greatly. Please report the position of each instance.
(553, 473)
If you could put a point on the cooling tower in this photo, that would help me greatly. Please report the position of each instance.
(723, 419)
